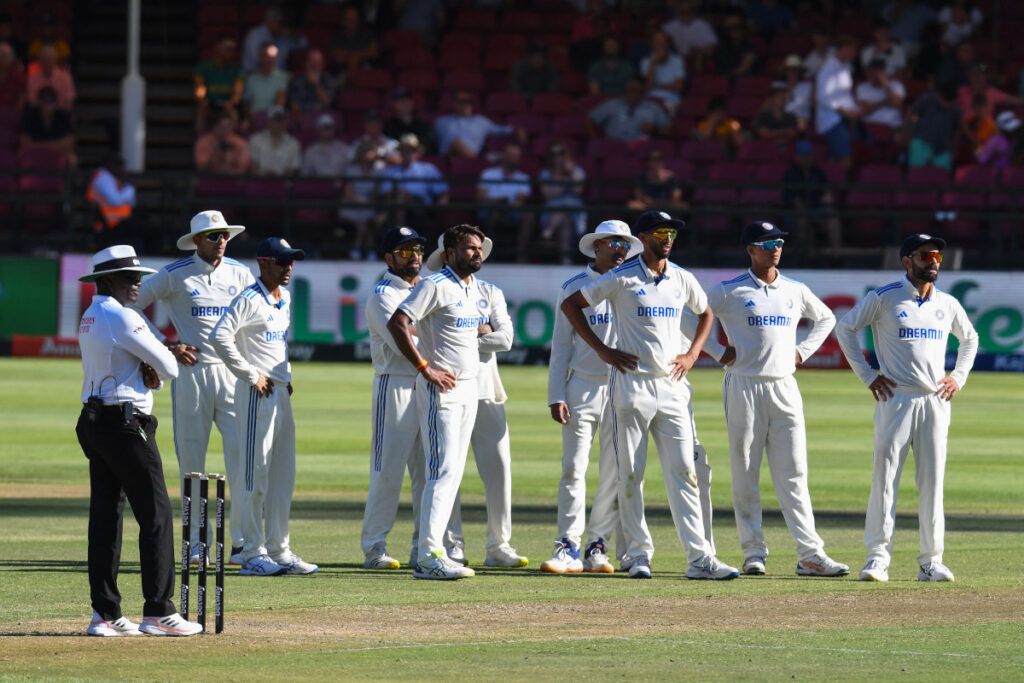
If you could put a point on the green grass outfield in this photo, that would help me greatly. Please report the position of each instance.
(346, 623)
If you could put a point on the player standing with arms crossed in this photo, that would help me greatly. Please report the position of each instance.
(911, 321)
(648, 400)
(251, 339)
(395, 423)
(760, 311)
(196, 290)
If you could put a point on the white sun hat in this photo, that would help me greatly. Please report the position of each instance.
(608, 229)
(113, 260)
(434, 263)
(207, 221)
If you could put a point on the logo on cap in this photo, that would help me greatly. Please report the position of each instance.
(665, 215)
(404, 231)
(284, 243)
(216, 217)
(767, 227)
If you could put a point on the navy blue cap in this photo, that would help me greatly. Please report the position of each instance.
(914, 241)
(652, 220)
(758, 231)
(395, 236)
(278, 248)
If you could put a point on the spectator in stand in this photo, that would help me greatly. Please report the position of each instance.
(328, 156)
(628, 118)
(935, 120)
(773, 122)
(426, 17)
(594, 22)
(806, 193)
(353, 46)
(49, 36)
(979, 126)
(835, 107)
(735, 56)
(561, 185)
(610, 74)
(720, 127)
(663, 73)
(404, 120)
(269, 32)
(693, 37)
(657, 187)
(504, 189)
(114, 200)
(273, 152)
(998, 150)
(222, 150)
(314, 88)
(267, 86)
(799, 90)
(47, 126)
(908, 19)
(977, 84)
(463, 133)
(49, 74)
(959, 21)
(361, 187)
(382, 149)
(769, 17)
(416, 184)
(291, 41)
(218, 82)
(12, 78)
(535, 74)
(8, 36)
(956, 66)
(893, 56)
(881, 96)
(821, 51)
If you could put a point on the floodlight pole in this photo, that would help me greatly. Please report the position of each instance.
(133, 98)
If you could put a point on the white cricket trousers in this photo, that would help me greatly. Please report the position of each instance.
(906, 422)
(446, 423)
(395, 445)
(202, 395)
(266, 430)
(642, 406)
(766, 416)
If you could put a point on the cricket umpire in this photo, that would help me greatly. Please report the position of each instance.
(122, 361)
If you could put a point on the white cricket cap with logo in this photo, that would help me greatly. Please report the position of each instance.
(207, 221)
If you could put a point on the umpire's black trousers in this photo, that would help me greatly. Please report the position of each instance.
(124, 460)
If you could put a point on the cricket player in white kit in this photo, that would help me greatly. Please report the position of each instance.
(395, 424)
(445, 309)
(251, 338)
(647, 295)
(911, 321)
(196, 290)
(578, 400)
(760, 311)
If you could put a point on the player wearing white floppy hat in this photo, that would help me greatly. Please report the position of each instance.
(195, 291)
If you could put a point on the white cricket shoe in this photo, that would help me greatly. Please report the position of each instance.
(119, 627)
(440, 566)
(261, 565)
(457, 553)
(640, 568)
(935, 571)
(193, 559)
(171, 625)
(293, 564)
(874, 570)
(236, 556)
(505, 556)
(564, 560)
(378, 558)
(821, 565)
(711, 568)
(754, 566)
(595, 560)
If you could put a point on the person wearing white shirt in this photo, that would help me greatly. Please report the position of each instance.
(880, 97)
(505, 189)
(690, 33)
(911, 320)
(251, 338)
(759, 312)
(328, 157)
(835, 104)
(121, 362)
(649, 402)
(273, 152)
(820, 53)
(893, 56)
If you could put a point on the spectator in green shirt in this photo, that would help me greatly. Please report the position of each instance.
(267, 86)
(610, 74)
(218, 82)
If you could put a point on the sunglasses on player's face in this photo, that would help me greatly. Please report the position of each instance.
(929, 256)
(617, 243)
(665, 233)
(408, 252)
(768, 245)
(217, 236)
(281, 262)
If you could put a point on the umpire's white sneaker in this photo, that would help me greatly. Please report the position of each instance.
(935, 571)
(293, 564)
(261, 565)
(709, 567)
(378, 558)
(754, 566)
(821, 565)
(595, 560)
(171, 625)
(505, 556)
(564, 560)
(874, 570)
(439, 566)
(118, 627)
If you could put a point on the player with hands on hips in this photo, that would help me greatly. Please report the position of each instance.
(760, 311)
(578, 400)
(911, 320)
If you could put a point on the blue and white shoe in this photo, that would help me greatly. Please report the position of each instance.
(640, 568)
(439, 566)
(595, 560)
(564, 560)
(293, 564)
(711, 568)
(261, 565)
(935, 571)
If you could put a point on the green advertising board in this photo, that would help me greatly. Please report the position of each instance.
(28, 296)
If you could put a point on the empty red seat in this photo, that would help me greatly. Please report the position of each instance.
(763, 195)
(533, 124)
(619, 176)
(371, 79)
(757, 87)
(552, 104)
(881, 174)
(418, 79)
(476, 20)
(455, 40)
(641, 148)
(463, 80)
(413, 57)
(506, 103)
(394, 39)
(700, 151)
(922, 188)
(457, 58)
(522, 21)
(501, 61)
(319, 191)
(601, 148)
(358, 100)
(760, 150)
(709, 85)
(568, 126)
(969, 193)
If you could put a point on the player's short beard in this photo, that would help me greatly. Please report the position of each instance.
(411, 270)
(465, 266)
(923, 274)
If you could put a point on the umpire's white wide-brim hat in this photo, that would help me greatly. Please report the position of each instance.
(113, 260)
(434, 262)
(608, 229)
(207, 221)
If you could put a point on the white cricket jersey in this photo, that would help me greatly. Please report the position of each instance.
(495, 312)
(251, 336)
(114, 340)
(569, 353)
(196, 294)
(447, 314)
(646, 310)
(380, 306)
(910, 336)
(760, 319)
